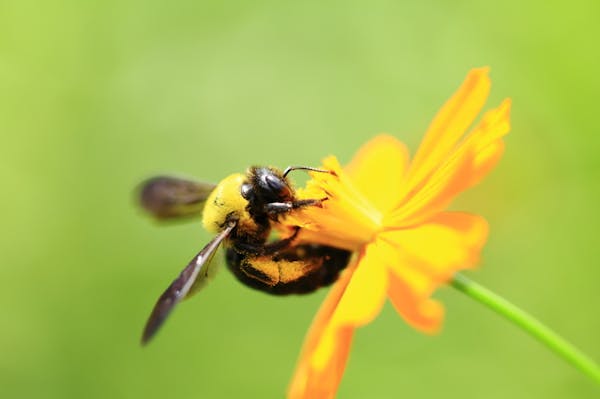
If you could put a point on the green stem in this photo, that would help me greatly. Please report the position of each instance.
(528, 323)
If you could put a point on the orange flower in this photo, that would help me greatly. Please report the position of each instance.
(390, 211)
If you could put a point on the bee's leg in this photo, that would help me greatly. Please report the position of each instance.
(274, 209)
(268, 248)
(276, 246)
(244, 268)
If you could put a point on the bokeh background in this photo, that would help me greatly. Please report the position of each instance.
(95, 96)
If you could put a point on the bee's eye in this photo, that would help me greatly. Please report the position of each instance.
(274, 183)
(277, 187)
(246, 191)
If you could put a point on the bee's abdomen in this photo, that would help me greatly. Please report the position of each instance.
(297, 270)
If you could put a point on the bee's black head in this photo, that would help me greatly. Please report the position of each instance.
(267, 185)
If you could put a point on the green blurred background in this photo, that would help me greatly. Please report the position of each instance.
(96, 96)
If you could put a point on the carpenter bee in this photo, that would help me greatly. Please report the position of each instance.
(241, 210)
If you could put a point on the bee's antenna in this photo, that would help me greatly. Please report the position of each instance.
(307, 168)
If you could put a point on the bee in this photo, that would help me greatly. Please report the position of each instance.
(241, 211)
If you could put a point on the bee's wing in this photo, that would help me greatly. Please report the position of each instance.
(180, 287)
(169, 197)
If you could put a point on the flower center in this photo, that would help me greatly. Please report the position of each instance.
(346, 219)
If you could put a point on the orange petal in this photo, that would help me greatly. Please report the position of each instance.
(426, 257)
(449, 242)
(415, 307)
(464, 167)
(449, 125)
(308, 382)
(410, 289)
(381, 162)
(360, 303)
(487, 142)
(356, 299)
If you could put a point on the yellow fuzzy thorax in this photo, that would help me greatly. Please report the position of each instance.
(226, 201)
